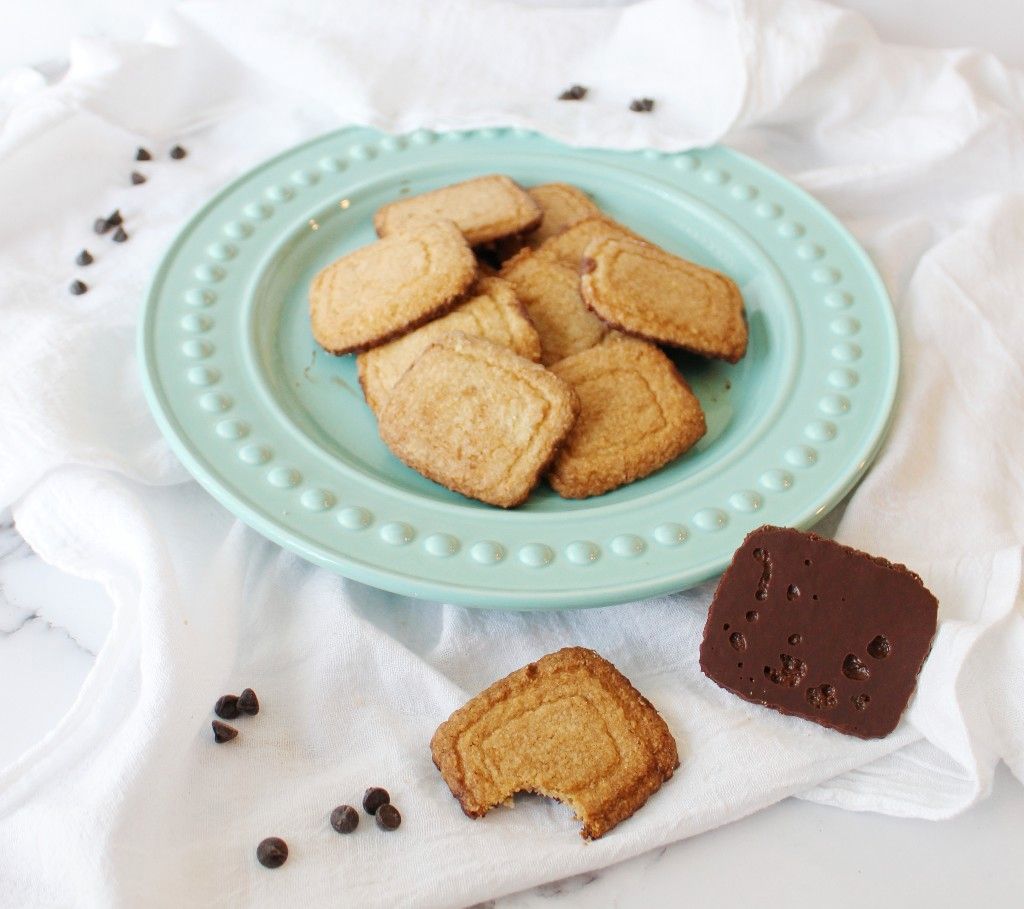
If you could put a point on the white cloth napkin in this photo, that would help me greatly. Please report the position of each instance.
(128, 801)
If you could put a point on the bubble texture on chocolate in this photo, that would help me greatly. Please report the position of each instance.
(839, 636)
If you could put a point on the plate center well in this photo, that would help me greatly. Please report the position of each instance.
(319, 395)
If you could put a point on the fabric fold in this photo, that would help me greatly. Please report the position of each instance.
(918, 152)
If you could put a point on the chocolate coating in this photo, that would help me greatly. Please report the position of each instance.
(814, 629)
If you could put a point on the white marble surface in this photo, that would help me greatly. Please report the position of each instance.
(52, 625)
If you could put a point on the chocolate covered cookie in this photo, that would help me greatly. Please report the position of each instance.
(814, 629)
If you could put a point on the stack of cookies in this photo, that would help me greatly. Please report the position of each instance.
(486, 380)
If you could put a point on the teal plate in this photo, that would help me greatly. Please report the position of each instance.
(278, 431)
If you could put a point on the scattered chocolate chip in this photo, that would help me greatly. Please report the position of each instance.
(227, 707)
(272, 852)
(374, 798)
(642, 105)
(101, 225)
(84, 258)
(573, 93)
(142, 154)
(114, 219)
(178, 153)
(344, 819)
(388, 817)
(120, 235)
(222, 732)
(78, 288)
(137, 178)
(248, 703)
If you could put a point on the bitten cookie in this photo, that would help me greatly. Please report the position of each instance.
(475, 417)
(570, 727)
(817, 630)
(550, 291)
(490, 311)
(648, 292)
(485, 209)
(389, 287)
(636, 414)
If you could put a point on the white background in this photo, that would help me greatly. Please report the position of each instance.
(791, 855)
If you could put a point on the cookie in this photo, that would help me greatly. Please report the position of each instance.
(563, 206)
(568, 247)
(490, 311)
(645, 291)
(636, 414)
(477, 418)
(570, 727)
(817, 630)
(550, 291)
(389, 287)
(485, 209)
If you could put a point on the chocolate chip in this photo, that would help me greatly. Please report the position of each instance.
(114, 218)
(374, 798)
(248, 702)
(178, 153)
(227, 707)
(388, 817)
(142, 154)
(119, 235)
(101, 225)
(78, 288)
(137, 178)
(272, 852)
(222, 732)
(642, 105)
(84, 258)
(573, 93)
(344, 819)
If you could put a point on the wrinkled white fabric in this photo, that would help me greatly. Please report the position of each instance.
(128, 801)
